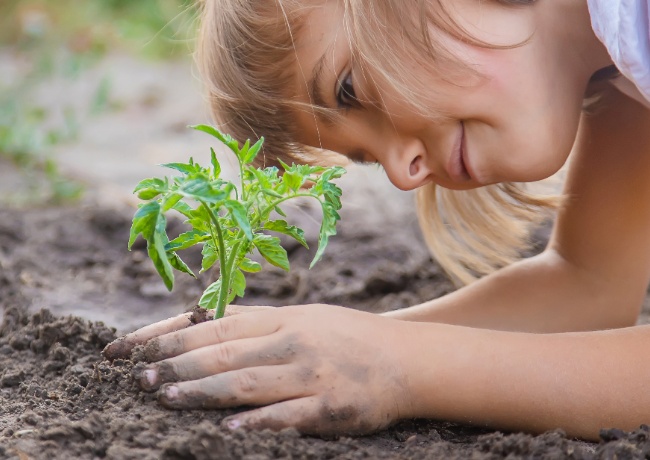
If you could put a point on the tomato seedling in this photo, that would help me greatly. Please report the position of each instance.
(231, 220)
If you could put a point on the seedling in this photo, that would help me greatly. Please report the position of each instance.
(231, 220)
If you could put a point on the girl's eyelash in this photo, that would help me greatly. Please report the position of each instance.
(365, 162)
(361, 159)
(346, 97)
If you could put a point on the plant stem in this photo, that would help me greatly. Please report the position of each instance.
(280, 201)
(241, 179)
(225, 283)
(224, 272)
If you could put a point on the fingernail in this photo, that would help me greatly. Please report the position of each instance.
(150, 376)
(233, 424)
(171, 392)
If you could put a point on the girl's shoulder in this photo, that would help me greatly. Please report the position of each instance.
(624, 27)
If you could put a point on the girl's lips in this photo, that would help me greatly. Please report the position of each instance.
(456, 166)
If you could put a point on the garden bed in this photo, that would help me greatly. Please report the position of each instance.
(59, 399)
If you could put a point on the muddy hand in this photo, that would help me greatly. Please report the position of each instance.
(122, 347)
(319, 368)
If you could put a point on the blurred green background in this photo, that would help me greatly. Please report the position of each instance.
(42, 41)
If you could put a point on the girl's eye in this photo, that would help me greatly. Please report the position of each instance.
(345, 95)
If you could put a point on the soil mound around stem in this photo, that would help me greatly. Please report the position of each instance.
(60, 400)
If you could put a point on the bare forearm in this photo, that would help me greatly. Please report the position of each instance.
(580, 382)
(535, 295)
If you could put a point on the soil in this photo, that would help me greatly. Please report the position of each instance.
(60, 400)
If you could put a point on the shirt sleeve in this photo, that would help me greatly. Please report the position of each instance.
(624, 27)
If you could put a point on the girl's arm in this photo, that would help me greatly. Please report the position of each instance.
(595, 270)
(580, 382)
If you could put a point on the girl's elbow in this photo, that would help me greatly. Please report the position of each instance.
(623, 313)
(623, 320)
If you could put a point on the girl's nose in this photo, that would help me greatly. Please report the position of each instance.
(406, 164)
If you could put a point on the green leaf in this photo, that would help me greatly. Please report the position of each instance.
(272, 172)
(244, 150)
(231, 143)
(306, 170)
(158, 255)
(177, 263)
(199, 224)
(227, 187)
(252, 152)
(183, 208)
(249, 266)
(271, 175)
(333, 195)
(262, 178)
(200, 219)
(238, 284)
(216, 167)
(272, 250)
(185, 168)
(327, 229)
(238, 211)
(285, 166)
(211, 130)
(334, 172)
(301, 170)
(151, 188)
(202, 189)
(210, 296)
(144, 222)
(210, 256)
(292, 180)
(281, 226)
(323, 186)
(169, 201)
(281, 188)
(187, 240)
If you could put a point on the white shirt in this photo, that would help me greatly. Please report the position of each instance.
(624, 27)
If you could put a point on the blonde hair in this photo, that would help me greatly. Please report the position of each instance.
(246, 53)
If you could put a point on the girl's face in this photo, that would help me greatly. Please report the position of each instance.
(515, 119)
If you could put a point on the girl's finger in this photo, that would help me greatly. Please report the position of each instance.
(245, 387)
(122, 347)
(215, 359)
(310, 415)
(239, 309)
(211, 333)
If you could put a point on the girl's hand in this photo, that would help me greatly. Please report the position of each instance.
(319, 368)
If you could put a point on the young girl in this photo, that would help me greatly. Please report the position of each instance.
(470, 95)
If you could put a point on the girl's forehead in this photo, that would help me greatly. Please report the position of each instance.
(320, 45)
(321, 23)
